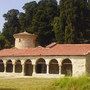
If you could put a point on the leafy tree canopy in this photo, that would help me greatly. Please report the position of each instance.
(68, 22)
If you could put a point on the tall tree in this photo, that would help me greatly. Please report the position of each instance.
(70, 35)
(87, 24)
(80, 19)
(3, 42)
(72, 21)
(12, 25)
(30, 10)
(42, 21)
(59, 24)
(59, 34)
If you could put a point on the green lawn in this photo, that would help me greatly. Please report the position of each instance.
(81, 83)
(26, 84)
(68, 83)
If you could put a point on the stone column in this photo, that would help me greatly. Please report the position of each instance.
(13, 62)
(47, 63)
(47, 68)
(60, 69)
(13, 68)
(4, 66)
(23, 69)
(22, 63)
(34, 71)
(34, 66)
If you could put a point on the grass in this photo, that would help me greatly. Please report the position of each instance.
(26, 84)
(81, 83)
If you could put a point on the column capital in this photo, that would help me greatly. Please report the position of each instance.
(47, 62)
(60, 63)
(22, 62)
(33, 63)
(13, 62)
(4, 61)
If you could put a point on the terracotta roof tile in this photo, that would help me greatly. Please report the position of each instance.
(57, 49)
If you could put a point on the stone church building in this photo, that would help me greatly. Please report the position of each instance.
(54, 60)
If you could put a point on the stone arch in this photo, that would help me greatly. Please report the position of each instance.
(18, 66)
(66, 67)
(1, 66)
(53, 67)
(41, 66)
(28, 68)
(9, 66)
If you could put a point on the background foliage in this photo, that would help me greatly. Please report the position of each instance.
(66, 22)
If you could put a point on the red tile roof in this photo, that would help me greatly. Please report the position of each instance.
(54, 49)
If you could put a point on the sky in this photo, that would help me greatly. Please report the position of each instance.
(6, 5)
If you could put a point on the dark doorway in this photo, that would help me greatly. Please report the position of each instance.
(41, 66)
(53, 67)
(28, 68)
(9, 66)
(1, 66)
(18, 66)
(66, 67)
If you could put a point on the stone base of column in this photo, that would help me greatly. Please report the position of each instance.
(22, 74)
(34, 74)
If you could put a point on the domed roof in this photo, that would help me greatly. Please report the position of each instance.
(24, 34)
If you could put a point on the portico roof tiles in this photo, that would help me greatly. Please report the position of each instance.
(50, 50)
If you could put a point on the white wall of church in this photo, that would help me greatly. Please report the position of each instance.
(78, 65)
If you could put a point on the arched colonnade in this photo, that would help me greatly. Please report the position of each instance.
(40, 67)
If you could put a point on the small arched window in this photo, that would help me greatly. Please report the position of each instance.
(19, 40)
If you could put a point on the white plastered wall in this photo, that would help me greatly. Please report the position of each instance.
(78, 64)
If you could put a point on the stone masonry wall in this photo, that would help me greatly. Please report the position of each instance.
(78, 65)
